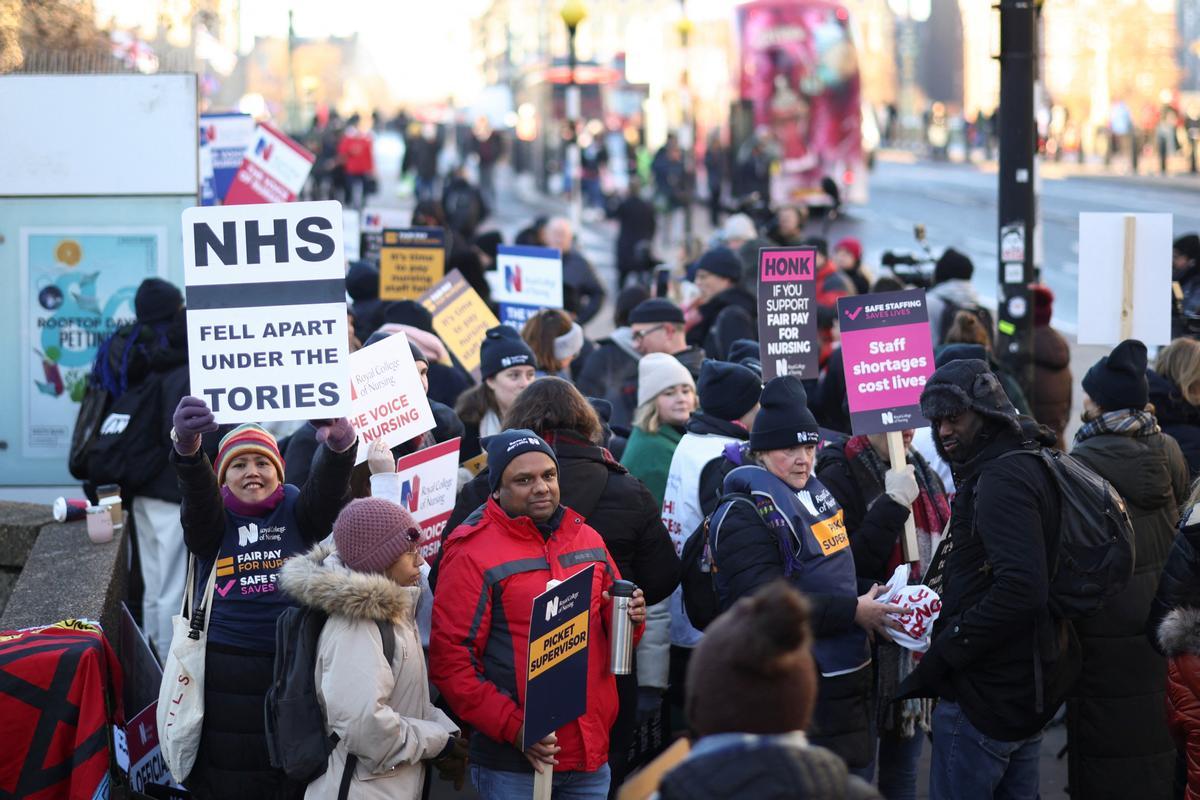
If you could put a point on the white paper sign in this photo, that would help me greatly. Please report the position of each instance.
(351, 233)
(374, 220)
(528, 276)
(267, 328)
(1101, 270)
(388, 399)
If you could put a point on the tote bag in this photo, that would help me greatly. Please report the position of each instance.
(181, 697)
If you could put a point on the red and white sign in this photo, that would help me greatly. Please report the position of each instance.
(273, 170)
(428, 481)
(387, 396)
(922, 607)
(146, 763)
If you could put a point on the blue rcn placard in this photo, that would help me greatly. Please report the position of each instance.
(557, 667)
(528, 280)
(226, 137)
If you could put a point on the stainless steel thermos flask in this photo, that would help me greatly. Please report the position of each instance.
(621, 644)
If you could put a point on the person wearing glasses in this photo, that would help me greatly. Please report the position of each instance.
(657, 326)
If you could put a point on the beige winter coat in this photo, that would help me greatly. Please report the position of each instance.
(381, 714)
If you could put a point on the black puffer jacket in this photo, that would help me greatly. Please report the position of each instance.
(617, 505)
(1179, 584)
(1123, 683)
(1178, 418)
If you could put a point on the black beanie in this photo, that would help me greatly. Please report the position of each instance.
(156, 300)
(408, 312)
(362, 281)
(1118, 380)
(507, 445)
(967, 384)
(721, 261)
(783, 419)
(953, 265)
(1188, 245)
(747, 353)
(502, 348)
(727, 391)
(627, 301)
(656, 309)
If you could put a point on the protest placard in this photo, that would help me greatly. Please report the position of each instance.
(387, 397)
(787, 318)
(374, 221)
(887, 355)
(267, 328)
(273, 170)
(428, 487)
(225, 137)
(557, 667)
(528, 280)
(1124, 278)
(460, 318)
(410, 261)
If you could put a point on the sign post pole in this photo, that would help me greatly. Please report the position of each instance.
(1127, 277)
(908, 545)
(543, 782)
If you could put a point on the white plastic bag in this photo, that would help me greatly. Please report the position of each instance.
(923, 606)
(180, 712)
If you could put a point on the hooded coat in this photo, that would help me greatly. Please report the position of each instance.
(1178, 418)
(1179, 637)
(729, 315)
(1051, 401)
(1122, 683)
(381, 712)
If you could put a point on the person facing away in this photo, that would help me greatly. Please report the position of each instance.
(491, 569)
(368, 582)
(751, 692)
(998, 660)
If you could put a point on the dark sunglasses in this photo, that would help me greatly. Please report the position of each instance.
(639, 335)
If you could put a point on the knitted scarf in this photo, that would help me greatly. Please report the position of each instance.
(931, 512)
(1123, 422)
(260, 509)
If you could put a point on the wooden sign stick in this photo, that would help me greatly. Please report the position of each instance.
(1127, 278)
(908, 545)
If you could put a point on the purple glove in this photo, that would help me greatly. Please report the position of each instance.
(191, 419)
(338, 434)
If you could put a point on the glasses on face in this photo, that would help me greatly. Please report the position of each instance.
(640, 335)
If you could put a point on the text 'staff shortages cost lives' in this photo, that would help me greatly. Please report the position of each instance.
(267, 328)
(887, 354)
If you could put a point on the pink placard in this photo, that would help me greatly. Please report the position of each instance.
(887, 367)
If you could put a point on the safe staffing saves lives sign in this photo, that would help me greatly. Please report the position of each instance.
(267, 328)
(887, 354)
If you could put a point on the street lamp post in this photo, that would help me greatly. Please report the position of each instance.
(572, 13)
(688, 128)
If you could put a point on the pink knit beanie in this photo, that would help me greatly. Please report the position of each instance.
(372, 533)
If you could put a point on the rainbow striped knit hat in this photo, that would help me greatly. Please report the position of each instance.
(244, 439)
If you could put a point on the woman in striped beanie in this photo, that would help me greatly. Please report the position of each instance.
(241, 514)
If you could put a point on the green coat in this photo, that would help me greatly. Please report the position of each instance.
(648, 457)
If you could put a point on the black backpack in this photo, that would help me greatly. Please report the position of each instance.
(92, 411)
(1095, 554)
(698, 576)
(128, 448)
(295, 727)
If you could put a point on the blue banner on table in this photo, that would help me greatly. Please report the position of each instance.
(787, 318)
(557, 666)
(527, 280)
(887, 354)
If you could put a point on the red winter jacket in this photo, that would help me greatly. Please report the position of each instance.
(830, 285)
(357, 153)
(492, 567)
(1179, 634)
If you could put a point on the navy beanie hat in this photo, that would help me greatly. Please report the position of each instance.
(502, 348)
(721, 261)
(1118, 380)
(408, 312)
(656, 309)
(507, 445)
(156, 301)
(747, 353)
(727, 391)
(783, 417)
(953, 265)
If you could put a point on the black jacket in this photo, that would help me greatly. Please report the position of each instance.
(1177, 417)
(728, 316)
(873, 520)
(1179, 584)
(578, 274)
(1123, 683)
(610, 373)
(636, 219)
(613, 502)
(995, 617)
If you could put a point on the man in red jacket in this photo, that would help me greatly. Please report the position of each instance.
(492, 567)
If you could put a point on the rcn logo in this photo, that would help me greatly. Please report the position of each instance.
(781, 367)
(410, 494)
(247, 534)
(263, 150)
(887, 417)
(512, 278)
(552, 608)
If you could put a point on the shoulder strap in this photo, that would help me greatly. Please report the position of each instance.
(712, 525)
(388, 637)
(347, 776)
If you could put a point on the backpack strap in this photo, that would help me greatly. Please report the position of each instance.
(387, 637)
(347, 776)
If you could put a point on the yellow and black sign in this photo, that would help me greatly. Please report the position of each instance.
(410, 261)
(831, 534)
(460, 318)
(559, 644)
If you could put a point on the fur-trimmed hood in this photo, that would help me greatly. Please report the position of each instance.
(320, 580)
(1179, 632)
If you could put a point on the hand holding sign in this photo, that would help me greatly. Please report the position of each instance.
(337, 433)
(874, 616)
(541, 753)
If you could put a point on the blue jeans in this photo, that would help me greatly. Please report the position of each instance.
(494, 784)
(898, 758)
(967, 765)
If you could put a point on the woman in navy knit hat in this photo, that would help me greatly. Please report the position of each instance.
(507, 366)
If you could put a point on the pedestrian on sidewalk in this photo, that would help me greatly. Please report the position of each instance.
(356, 155)
(577, 271)
(1123, 682)
(1052, 382)
(636, 223)
(245, 493)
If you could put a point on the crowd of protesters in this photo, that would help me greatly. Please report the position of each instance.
(613, 453)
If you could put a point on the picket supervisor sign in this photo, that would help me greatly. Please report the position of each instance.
(787, 312)
(267, 328)
(557, 667)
